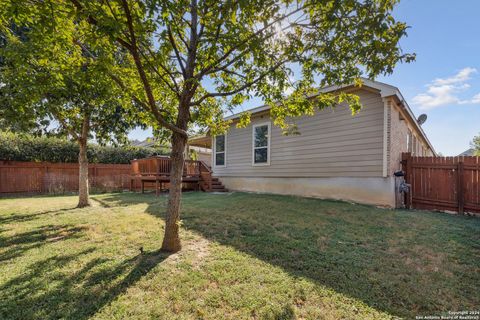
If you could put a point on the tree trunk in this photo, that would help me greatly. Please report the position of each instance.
(83, 193)
(171, 240)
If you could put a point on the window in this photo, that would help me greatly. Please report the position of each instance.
(220, 151)
(261, 144)
(409, 141)
(415, 146)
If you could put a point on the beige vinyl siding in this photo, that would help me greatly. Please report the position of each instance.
(332, 143)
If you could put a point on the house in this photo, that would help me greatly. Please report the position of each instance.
(336, 155)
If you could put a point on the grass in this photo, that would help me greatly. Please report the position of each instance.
(245, 256)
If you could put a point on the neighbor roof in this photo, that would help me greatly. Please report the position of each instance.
(469, 152)
(385, 90)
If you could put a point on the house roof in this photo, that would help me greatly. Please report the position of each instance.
(469, 152)
(203, 141)
(384, 89)
(147, 143)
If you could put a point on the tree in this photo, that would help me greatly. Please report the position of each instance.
(195, 59)
(476, 145)
(50, 80)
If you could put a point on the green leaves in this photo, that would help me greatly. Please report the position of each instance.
(476, 145)
(244, 119)
(23, 147)
(57, 67)
(209, 56)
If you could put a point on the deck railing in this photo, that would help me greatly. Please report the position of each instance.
(161, 166)
(206, 177)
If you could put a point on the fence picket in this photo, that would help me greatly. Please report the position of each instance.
(38, 177)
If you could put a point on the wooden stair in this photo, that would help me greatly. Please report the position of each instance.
(217, 186)
(208, 183)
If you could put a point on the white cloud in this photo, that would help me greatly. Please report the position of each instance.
(476, 98)
(443, 91)
(462, 76)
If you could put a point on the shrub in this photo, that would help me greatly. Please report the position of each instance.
(23, 147)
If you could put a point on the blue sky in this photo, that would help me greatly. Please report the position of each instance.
(444, 81)
(445, 78)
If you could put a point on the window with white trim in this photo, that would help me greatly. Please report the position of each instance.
(261, 144)
(409, 141)
(220, 153)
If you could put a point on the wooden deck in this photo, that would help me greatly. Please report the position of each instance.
(156, 170)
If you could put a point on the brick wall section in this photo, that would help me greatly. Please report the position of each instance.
(398, 138)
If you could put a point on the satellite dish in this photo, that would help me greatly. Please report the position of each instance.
(422, 118)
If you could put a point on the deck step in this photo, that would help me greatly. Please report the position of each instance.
(217, 185)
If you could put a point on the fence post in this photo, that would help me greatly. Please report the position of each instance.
(407, 168)
(95, 176)
(460, 196)
(43, 178)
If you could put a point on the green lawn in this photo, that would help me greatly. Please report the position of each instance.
(245, 256)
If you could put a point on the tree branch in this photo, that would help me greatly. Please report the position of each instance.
(146, 84)
(185, 43)
(134, 51)
(208, 69)
(192, 50)
(94, 22)
(169, 72)
(177, 53)
(66, 125)
(243, 87)
(175, 89)
(115, 17)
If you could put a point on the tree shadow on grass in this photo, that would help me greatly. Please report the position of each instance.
(16, 217)
(390, 260)
(71, 285)
(50, 290)
(14, 246)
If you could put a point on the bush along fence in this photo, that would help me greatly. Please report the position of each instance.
(58, 178)
(22, 147)
(443, 183)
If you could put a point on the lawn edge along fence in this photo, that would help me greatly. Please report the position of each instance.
(443, 183)
(46, 177)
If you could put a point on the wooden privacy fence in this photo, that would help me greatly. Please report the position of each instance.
(45, 177)
(443, 183)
